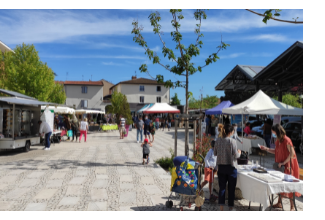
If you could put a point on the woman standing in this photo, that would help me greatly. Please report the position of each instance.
(152, 131)
(83, 129)
(67, 124)
(247, 129)
(75, 128)
(267, 132)
(285, 155)
(226, 150)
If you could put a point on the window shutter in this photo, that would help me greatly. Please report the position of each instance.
(86, 103)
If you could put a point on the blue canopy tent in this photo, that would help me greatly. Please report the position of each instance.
(218, 109)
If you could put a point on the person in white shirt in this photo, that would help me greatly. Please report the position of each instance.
(45, 129)
(210, 169)
(235, 135)
(83, 129)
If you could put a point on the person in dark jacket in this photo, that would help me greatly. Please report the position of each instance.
(67, 124)
(75, 128)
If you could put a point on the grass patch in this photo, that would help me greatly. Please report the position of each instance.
(166, 162)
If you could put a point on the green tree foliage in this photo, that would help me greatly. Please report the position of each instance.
(274, 14)
(175, 100)
(120, 106)
(184, 66)
(25, 73)
(206, 103)
(289, 99)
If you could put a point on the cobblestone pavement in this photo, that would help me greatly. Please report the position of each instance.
(105, 173)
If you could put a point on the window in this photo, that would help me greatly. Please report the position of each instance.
(84, 103)
(141, 88)
(158, 88)
(158, 99)
(84, 89)
(141, 99)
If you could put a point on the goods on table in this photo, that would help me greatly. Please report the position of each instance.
(252, 137)
(265, 177)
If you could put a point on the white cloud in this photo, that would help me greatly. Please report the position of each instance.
(44, 26)
(94, 57)
(111, 64)
(233, 55)
(269, 37)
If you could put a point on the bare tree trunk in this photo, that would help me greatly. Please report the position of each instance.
(186, 122)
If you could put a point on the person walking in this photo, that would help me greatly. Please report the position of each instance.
(67, 124)
(157, 123)
(139, 126)
(45, 129)
(152, 130)
(235, 136)
(122, 127)
(226, 150)
(169, 123)
(75, 128)
(267, 132)
(145, 150)
(83, 129)
(285, 155)
(163, 120)
(146, 129)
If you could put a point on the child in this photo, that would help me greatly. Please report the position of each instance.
(146, 151)
(210, 169)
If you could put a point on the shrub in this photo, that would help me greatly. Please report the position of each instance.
(166, 162)
(203, 150)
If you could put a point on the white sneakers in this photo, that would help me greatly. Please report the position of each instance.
(137, 141)
(45, 148)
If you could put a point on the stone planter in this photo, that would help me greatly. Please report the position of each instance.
(238, 194)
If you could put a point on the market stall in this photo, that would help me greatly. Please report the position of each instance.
(92, 116)
(146, 107)
(161, 108)
(261, 188)
(251, 142)
(19, 125)
(261, 104)
(217, 111)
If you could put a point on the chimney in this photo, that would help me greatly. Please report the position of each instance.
(134, 77)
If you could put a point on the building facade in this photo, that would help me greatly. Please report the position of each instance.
(84, 94)
(142, 91)
(106, 87)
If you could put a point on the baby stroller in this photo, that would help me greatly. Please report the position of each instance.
(186, 181)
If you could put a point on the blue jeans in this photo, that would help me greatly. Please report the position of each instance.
(139, 132)
(157, 125)
(47, 140)
(227, 173)
(267, 138)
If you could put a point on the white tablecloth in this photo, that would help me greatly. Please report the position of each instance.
(249, 143)
(256, 190)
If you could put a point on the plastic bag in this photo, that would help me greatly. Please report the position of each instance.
(69, 133)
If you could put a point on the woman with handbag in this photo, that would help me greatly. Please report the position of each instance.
(226, 150)
(285, 159)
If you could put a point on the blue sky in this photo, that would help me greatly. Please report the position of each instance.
(98, 44)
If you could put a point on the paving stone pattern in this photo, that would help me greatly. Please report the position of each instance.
(104, 174)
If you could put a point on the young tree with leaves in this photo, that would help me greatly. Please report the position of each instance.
(120, 106)
(175, 100)
(25, 73)
(184, 65)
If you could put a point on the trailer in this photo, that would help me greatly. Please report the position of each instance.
(19, 116)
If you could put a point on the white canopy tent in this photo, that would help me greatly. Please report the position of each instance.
(88, 111)
(161, 108)
(60, 109)
(261, 104)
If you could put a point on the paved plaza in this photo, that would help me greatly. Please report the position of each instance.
(104, 174)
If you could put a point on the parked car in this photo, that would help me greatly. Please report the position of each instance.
(296, 138)
(289, 119)
(294, 132)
